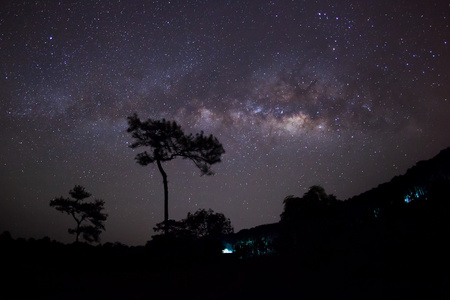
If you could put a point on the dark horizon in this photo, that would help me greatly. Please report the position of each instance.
(342, 94)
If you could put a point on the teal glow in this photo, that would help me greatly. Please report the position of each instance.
(376, 212)
(415, 194)
(226, 251)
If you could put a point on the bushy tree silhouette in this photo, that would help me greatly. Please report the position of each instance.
(166, 141)
(204, 223)
(82, 212)
(175, 229)
(310, 206)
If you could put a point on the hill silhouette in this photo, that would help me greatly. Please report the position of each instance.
(426, 180)
(416, 182)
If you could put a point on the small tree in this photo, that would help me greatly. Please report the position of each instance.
(82, 213)
(167, 141)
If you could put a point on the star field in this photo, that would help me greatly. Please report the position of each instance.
(345, 94)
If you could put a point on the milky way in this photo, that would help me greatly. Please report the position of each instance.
(345, 94)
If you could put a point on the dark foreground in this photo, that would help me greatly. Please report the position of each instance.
(411, 269)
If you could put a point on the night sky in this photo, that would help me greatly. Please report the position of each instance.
(345, 94)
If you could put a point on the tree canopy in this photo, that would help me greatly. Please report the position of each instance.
(166, 141)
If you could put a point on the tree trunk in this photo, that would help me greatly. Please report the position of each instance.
(77, 233)
(166, 198)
